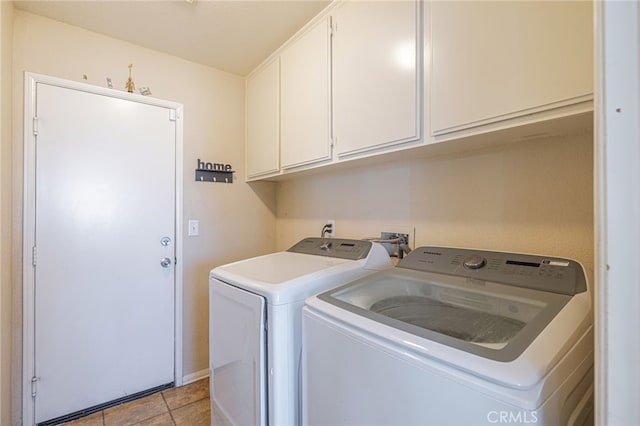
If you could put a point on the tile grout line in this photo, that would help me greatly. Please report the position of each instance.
(186, 405)
(102, 413)
(168, 408)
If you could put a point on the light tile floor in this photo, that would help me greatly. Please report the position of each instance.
(186, 405)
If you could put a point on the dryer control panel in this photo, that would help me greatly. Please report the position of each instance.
(333, 247)
(557, 275)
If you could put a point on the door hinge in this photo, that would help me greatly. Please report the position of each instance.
(173, 115)
(34, 386)
(35, 126)
(331, 26)
(34, 256)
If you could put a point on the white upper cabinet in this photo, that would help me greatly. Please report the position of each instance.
(367, 77)
(305, 97)
(377, 51)
(263, 121)
(495, 60)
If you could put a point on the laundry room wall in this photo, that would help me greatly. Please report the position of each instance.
(6, 55)
(236, 220)
(534, 197)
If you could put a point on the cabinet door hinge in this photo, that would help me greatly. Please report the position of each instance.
(34, 386)
(173, 115)
(34, 256)
(35, 126)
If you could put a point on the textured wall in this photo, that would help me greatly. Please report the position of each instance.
(534, 196)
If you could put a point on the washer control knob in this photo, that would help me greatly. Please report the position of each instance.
(475, 262)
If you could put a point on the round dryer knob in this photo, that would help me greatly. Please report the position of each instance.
(475, 262)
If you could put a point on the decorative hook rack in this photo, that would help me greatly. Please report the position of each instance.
(217, 176)
(214, 172)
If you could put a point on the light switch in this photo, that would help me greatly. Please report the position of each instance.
(194, 228)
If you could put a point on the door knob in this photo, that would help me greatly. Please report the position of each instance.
(165, 262)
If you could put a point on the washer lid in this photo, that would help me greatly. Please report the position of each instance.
(304, 270)
(275, 269)
(488, 319)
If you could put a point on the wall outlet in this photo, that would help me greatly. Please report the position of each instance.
(331, 233)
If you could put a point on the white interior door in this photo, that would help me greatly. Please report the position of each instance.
(105, 220)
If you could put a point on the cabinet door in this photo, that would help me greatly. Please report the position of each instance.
(263, 121)
(376, 75)
(494, 60)
(305, 101)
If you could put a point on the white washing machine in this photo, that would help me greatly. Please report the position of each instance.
(452, 337)
(255, 323)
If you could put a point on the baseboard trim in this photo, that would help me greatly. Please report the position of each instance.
(194, 377)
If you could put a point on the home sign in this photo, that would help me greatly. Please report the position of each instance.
(214, 172)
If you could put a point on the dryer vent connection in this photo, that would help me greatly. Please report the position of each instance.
(396, 244)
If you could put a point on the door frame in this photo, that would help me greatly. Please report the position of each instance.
(617, 201)
(28, 228)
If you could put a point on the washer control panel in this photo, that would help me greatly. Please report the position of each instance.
(557, 275)
(333, 247)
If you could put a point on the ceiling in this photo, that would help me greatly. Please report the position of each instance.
(230, 35)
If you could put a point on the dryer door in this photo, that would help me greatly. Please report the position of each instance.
(237, 353)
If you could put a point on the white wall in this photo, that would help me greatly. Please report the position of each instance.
(6, 40)
(236, 220)
(534, 196)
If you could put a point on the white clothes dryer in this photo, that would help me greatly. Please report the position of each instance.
(452, 337)
(255, 323)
